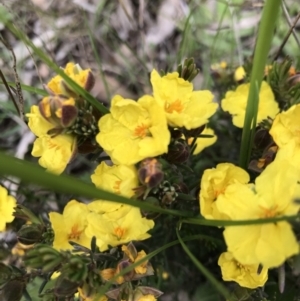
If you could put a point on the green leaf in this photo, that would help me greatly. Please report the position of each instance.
(31, 173)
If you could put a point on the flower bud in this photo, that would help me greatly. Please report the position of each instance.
(76, 269)
(188, 71)
(58, 110)
(262, 139)
(239, 74)
(130, 251)
(178, 152)
(30, 234)
(64, 287)
(124, 293)
(43, 257)
(150, 172)
(123, 264)
(294, 80)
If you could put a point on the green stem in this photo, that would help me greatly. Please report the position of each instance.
(263, 44)
(210, 277)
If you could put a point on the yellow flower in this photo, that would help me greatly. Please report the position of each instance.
(54, 152)
(119, 179)
(70, 226)
(239, 74)
(235, 102)
(88, 293)
(274, 194)
(133, 130)
(201, 142)
(218, 66)
(135, 256)
(285, 131)
(127, 227)
(7, 205)
(286, 127)
(244, 275)
(81, 77)
(111, 209)
(214, 183)
(142, 268)
(183, 106)
(147, 298)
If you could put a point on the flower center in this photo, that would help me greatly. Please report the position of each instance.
(217, 192)
(51, 143)
(119, 232)
(242, 267)
(116, 187)
(75, 233)
(176, 106)
(141, 131)
(269, 212)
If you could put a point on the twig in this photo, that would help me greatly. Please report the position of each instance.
(9, 92)
(17, 80)
(291, 31)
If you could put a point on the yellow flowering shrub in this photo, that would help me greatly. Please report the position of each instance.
(235, 103)
(7, 205)
(183, 106)
(134, 130)
(146, 153)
